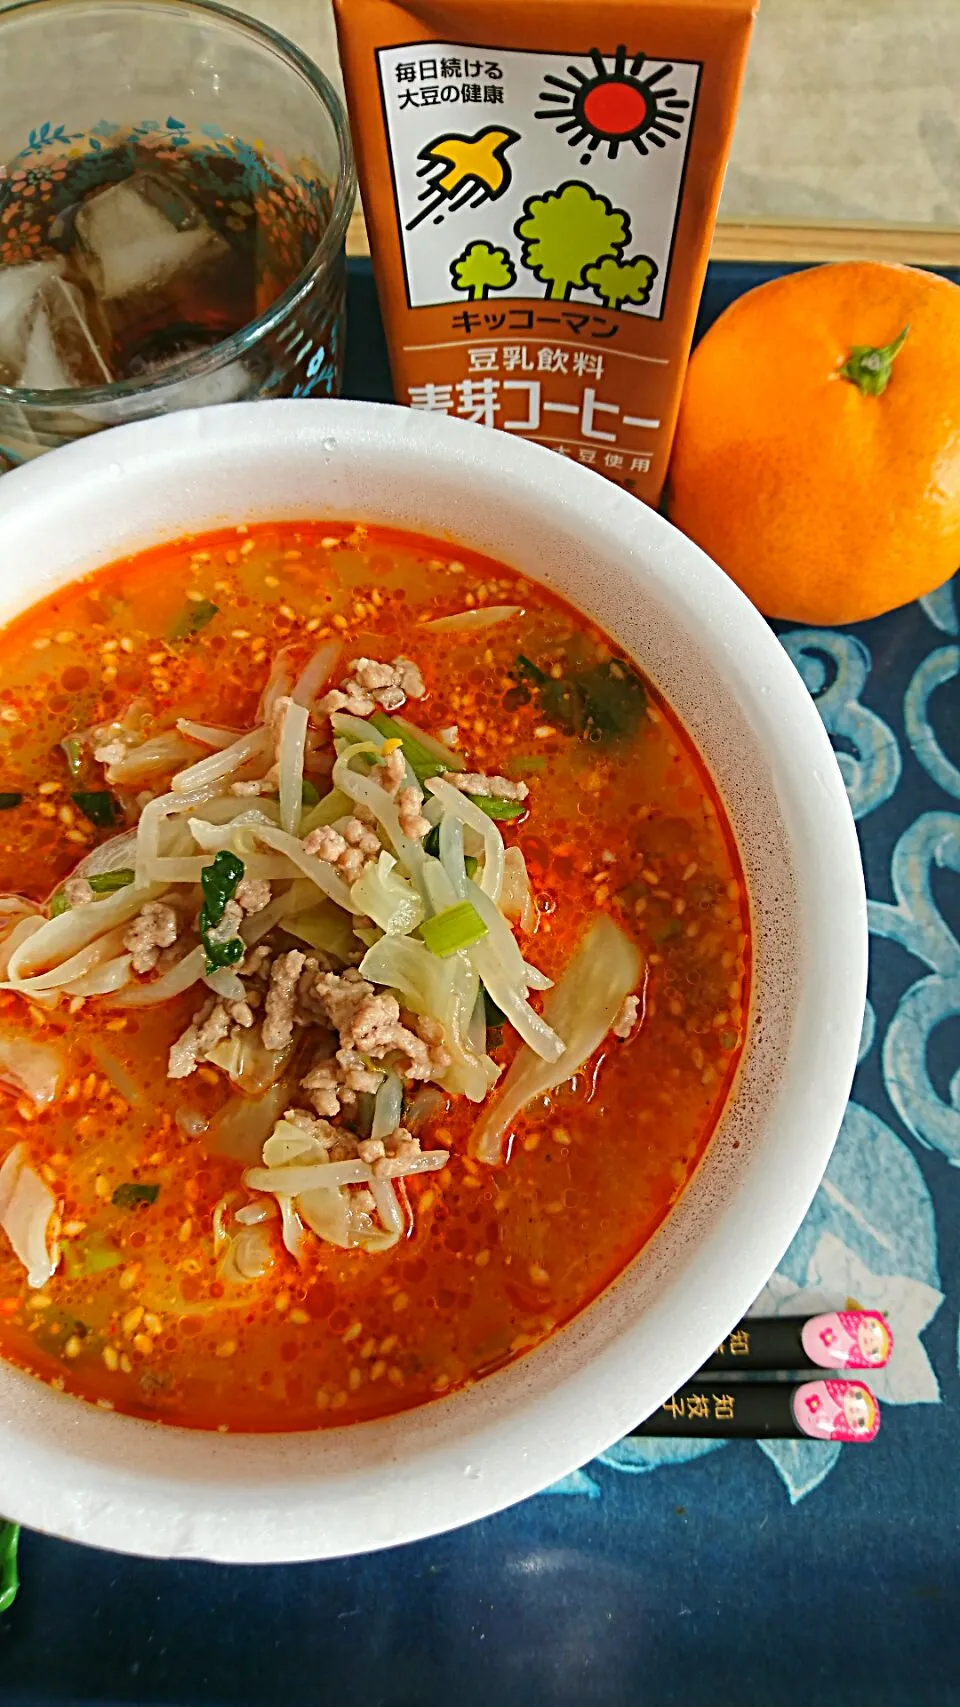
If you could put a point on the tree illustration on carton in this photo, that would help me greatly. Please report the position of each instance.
(573, 239)
(617, 282)
(567, 230)
(481, 269)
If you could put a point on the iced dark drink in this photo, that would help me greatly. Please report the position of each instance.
(173, 261)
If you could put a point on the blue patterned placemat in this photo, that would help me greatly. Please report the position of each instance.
(674, 1574)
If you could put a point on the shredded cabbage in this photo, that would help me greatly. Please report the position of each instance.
(445, 990)
(603, 970)
(27, 1210)
(387, 898)
(33, 1067)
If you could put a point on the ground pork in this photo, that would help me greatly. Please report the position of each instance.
(412, 821)
(256, 964)
(368, 1022)
(229, 924)
(372, 683)
(348, 850)
(493, 787)
(77, 892)
(399, 1149)
(280, 1004)
(332, 1083)
(155, 927)
(253, 894)
(391, 771)
(209, 1026)
(627, 1017)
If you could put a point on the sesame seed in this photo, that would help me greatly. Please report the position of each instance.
(110, 674)
(389, 1344)
(131, 1321)
(41, 644)
(481, 1259)
(102, 1186)
(378, 1370)
(539, 1275)
(128, 1278)
(400, 1302)
(246, 548)
(126, 644)
(313, 625)
(226, 1348)
(49, 788)
(240, 634)
(65, 636)
(195, 597)
(8, 715)
(281, 1302)
(41, 1303)
(73, 1347)
(300, 1317)
(354, 1379)
(46, 810)
(152, 1323)
(292, 556)
(322, 1399)
(340, 621)
(353, 1332)
(328, 542)
(288, 612)
(111, 1358)
(125, 1364)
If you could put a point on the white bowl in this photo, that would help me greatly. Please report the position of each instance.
(90, 1475)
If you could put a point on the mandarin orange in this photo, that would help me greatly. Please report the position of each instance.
(817, 454)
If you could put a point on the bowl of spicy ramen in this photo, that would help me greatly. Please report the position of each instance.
(432, 959)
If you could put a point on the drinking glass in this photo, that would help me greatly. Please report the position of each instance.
(180, 180)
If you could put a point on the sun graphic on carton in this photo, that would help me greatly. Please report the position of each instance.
(614, 107)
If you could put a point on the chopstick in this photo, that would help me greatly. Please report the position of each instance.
(768, 1410)
(844, 1339)
(825, 1409)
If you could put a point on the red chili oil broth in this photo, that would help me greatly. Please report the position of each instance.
(496, 1259)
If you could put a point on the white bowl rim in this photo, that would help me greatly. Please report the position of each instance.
(57, 1468)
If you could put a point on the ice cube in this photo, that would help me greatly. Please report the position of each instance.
(61, 352)
(138, 234)
(20, 289)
